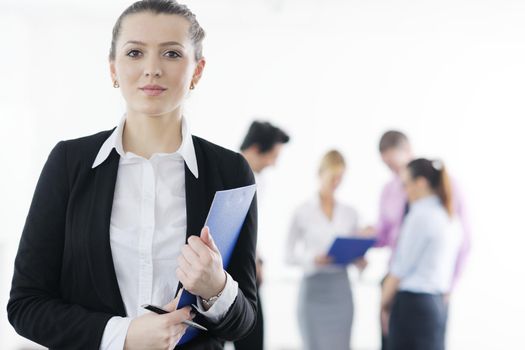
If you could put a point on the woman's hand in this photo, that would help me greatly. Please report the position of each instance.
(158, 332)
(323, 260)
(388, 291)
(384, 316)
(200, 266)
(385, 320)
(369, 231)
(361, 264)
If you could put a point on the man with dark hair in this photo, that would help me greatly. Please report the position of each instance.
(396, 153)
(261, 147)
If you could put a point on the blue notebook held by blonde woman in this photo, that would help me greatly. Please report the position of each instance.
(345, 250)
(225, 219)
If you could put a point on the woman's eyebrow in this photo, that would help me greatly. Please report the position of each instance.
(167, 43)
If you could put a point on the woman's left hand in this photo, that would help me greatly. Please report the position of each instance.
(200, 266)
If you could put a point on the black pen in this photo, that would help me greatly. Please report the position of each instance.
(161, 311)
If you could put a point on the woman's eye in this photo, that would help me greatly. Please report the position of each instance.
(172, 54)
(134, 53)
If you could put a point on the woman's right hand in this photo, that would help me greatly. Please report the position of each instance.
(323, 260)
(385, 321)
(158, 332)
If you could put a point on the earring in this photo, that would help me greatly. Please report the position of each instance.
(116, 85)
(192, 86)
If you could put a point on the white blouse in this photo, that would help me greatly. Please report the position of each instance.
(312, 233)
(148, 230)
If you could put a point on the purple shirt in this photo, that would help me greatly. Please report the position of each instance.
(392, 211)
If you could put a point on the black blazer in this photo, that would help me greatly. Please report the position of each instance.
(64, 287)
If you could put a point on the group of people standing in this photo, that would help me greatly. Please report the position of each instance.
(117, 222)
(421, 219)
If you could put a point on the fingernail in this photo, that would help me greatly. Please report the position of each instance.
(192, 315)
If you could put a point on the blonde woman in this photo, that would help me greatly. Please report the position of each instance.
(325, 310)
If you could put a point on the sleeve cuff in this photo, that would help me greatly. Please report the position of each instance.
(397, 271)
(221, 306)
(115, 333)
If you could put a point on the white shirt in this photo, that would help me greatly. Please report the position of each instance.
(312, 233)
(427, 249)
(148, 230)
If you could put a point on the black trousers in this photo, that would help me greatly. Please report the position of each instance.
(254, 341)
(417, 322)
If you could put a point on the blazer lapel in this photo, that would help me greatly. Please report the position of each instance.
(101, 260)
(196, 206)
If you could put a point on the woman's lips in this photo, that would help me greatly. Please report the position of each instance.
(153, 90)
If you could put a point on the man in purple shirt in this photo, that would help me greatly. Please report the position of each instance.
(396, 153)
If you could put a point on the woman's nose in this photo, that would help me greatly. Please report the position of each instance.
(152, 72)
(152, 69)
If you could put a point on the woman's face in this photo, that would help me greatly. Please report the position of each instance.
(155, 63)
(331, 178)
(415, 188)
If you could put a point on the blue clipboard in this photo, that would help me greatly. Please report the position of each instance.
(225, 219)
(345, 250)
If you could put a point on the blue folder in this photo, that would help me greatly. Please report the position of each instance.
(225, 219)
(345, 250)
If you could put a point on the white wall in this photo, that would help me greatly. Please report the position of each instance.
(332, 73)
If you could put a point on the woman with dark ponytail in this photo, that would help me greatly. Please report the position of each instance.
(423, 266)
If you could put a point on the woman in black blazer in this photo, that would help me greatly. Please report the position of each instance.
(68, 280)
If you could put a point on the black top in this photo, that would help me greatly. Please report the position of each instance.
(64, 287)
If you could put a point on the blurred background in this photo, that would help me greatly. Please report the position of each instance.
(331, 73)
